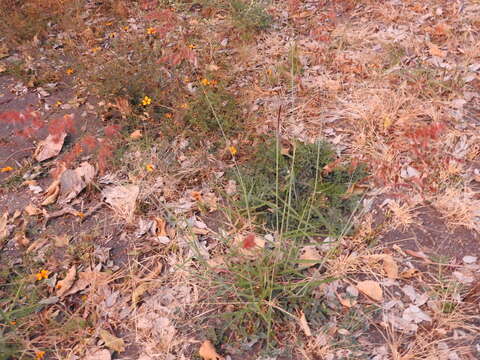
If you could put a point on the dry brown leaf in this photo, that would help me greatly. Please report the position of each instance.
(410, 273)
(161, 227)
(87, 278)
(310, 256)
(371, 288)
(139, 291)
(64, 285)
(137, 134)
(112, 342)
(122, 199)
(304, 324)
(207, 351)
(390, 266)
(435, 51)
(49, 147)
(3, 68)
(51, 193)
(61, 240)
(32, 210)
(21, 239)
(123, 105)
(72, 182)
(3, 226)
(37, 244)
(417, 254)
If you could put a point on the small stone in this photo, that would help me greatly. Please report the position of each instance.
(469, 259)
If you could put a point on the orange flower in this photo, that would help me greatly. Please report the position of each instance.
(43, 274)
(6, 169)
(70, 71)
(233, 150)
(205, 82)
(168, 115)
(184, 106)
(149, 167)
(192, 46)
(151, 31)
(39, 355)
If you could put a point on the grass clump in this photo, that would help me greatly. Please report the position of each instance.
(300, 193)
(214, 109)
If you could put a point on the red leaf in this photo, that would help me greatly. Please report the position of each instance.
(249, 241)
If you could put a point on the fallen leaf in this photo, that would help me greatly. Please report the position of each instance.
(310, 256)
(249, 245)
(37, 244)
(414, 314)
(137, 134)
(64, 285)
(304, 324)
(410, 273)
(371, 288)
(417, 254)
(161, 227)
(88, 278)
(112, 342)
(3, 226)
(61, 240)
(49, 147)
(390, 267)
(208, 352)
(122, 199)
(51, 193)
(3, 68)
(72, 182)
(123, 105)
(435, 51)
(99, 354)
(32, 210)
(139, 291)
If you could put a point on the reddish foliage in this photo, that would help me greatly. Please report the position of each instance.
(28, 121)
(111, 131)
(249, 241)
(105, 153)
(181, 53)
(56, 127)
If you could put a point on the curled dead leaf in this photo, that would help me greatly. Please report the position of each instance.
(32, 210)
(304, 324)
(72, 182)
(51, 193)
(390, 267)
(112, 342)
(310, 256)
(64, 285)
(49, 147)
(371, 288)
(410, 273)
(207, 351)
(3, 226)
(137, 134)
(122, 199)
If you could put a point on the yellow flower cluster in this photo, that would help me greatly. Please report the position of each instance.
(146, 101)
(151, 31)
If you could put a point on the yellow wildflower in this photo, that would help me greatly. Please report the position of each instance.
(184, 106)
(6, 169)
(96, 49)
(109, 23)
(168, 115)
(151, 31)
(70, 71)
(149, 167)
(205, 82)
(233, 150)
(43, 274)
(146, 101)
(112, 35)
(58, 103)
(39, 355)
(192, 46)
(125, 28)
